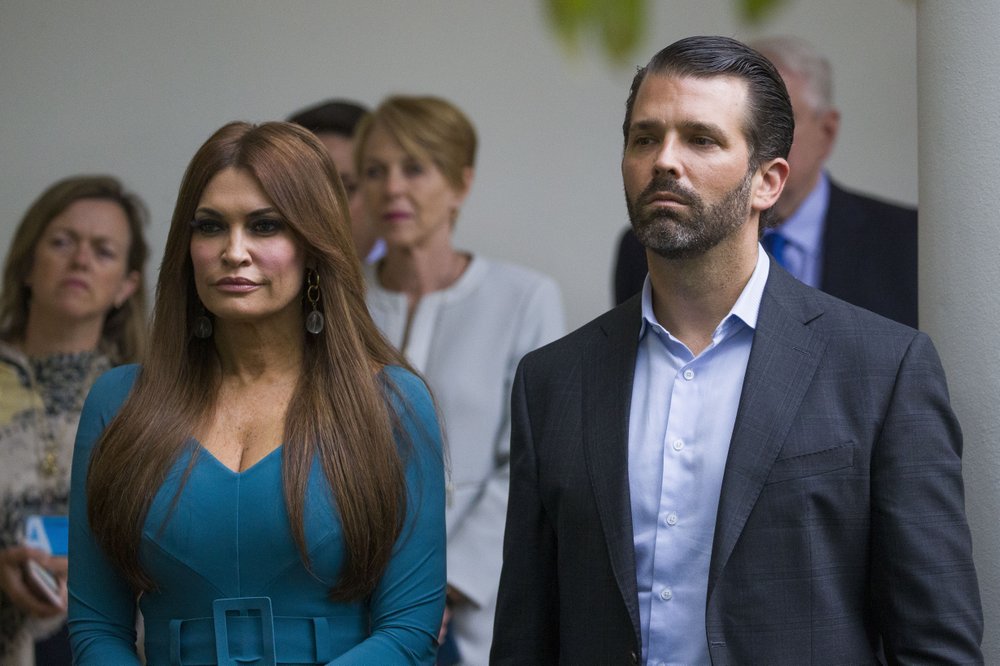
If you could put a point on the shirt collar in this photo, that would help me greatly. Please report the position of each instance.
(745, 309)
(804, 227)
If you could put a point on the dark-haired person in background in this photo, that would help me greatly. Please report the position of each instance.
(333, 122)
(852, 246)
(734, 467)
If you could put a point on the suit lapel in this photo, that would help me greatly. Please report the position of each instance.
(607, 391)
(783, 360)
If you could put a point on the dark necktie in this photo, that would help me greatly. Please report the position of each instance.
(775, 244)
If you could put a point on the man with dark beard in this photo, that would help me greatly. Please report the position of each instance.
(709, 224)
(859, 248)
(733, 468)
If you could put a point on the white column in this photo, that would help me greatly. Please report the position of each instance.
(958, 81)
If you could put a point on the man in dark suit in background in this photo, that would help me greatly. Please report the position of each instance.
(732, 467)
(857, 248)
(333, 122)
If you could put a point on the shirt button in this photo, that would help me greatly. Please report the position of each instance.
(689, 374)
(678, 444)
(666, 594)
(671, 518)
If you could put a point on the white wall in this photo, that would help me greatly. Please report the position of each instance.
(132, 88)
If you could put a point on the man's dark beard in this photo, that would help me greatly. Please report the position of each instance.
(690, 232)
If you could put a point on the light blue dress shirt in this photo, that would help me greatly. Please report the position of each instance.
(680, 424)
(803, 253)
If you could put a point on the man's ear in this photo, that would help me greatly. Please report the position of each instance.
(769, 181)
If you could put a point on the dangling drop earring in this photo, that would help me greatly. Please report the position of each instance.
(314, 320)
(202, 324)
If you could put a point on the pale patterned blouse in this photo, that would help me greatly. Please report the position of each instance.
(40, 403)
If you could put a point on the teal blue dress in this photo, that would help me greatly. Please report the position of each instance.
(231, 584)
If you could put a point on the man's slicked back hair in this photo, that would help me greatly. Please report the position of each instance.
(769, 125)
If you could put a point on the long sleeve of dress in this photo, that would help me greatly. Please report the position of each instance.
(408, 602)
(101, 605)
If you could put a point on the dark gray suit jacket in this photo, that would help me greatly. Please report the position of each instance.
(841, 534)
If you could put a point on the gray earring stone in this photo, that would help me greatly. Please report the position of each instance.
(314, 322)
(202, 327)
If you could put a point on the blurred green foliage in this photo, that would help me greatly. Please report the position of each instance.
(755, 11)
(620, 24)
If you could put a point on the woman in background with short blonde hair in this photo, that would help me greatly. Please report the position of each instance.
(463, 320)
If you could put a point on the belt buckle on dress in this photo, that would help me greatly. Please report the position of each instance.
(258, 608)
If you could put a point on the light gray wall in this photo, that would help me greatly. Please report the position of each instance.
(133, 88)
(959, 237)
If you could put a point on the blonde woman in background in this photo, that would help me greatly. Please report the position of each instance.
(463, 320)
(71, 307)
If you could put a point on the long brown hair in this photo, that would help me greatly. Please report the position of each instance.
(340, 410)
(123, 337)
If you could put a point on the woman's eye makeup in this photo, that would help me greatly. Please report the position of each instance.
(263, 226)
(206, 225)
(266, 226)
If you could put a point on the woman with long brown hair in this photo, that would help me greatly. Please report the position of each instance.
(269, 484)
(71, 307)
